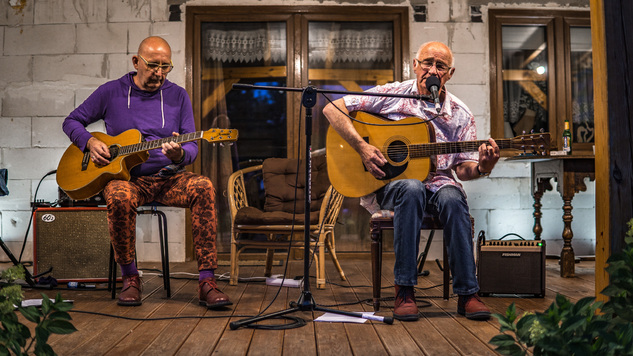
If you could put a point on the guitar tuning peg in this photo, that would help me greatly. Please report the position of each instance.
(542, 130)
(523, 132)
(532, 131)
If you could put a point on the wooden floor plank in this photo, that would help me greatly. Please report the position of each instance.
(440, 329)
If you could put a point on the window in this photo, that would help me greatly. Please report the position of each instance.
(332, 48)
(541, 74)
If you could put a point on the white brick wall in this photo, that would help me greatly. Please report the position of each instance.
(54, 53)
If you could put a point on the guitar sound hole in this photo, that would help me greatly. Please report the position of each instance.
(114, 152)
(397, 152)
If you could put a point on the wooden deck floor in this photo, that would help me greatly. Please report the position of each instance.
(178, 326)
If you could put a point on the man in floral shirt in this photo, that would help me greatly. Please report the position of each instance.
(439, 194)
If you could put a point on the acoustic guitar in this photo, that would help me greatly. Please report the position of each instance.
(81, 178)
(408, 145)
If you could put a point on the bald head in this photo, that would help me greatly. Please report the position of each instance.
(153, 52)
(154, 44)
(436, 47)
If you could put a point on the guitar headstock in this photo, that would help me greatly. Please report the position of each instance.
(220, 135)
(532, 144)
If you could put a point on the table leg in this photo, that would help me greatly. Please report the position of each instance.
(541, 186)
(567, 258)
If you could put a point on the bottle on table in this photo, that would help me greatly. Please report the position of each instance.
(567, 138)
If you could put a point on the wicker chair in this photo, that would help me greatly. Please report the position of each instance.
(276, 222)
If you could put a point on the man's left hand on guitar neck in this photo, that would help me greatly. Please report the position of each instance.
(173, 151)
(489, 154)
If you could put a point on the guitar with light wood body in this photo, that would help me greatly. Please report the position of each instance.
(408, 145)
(81, 178)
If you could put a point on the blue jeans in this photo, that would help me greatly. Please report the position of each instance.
(410, 200)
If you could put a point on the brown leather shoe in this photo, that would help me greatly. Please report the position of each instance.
(404, 307)
(131, 291)
(210, 295)
(472, 307)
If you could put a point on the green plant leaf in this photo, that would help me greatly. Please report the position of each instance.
(3, 350)
(44, 349)
(60, 327)
(502, 340)
(59, 315)
(46, 304)
(513, 350)
(31, 314)
(42, 333)
(62, 306)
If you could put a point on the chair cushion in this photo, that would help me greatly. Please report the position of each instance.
(253, 216)
(281, 179)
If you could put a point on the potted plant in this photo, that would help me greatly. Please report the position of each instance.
(588, 327)
(51, 318)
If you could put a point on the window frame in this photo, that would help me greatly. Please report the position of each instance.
(559, 101)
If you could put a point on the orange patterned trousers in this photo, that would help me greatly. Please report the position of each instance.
(185, 190)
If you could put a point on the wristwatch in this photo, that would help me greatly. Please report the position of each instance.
(482, 174)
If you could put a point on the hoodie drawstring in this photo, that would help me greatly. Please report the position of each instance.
(162, 104)
(162, 111)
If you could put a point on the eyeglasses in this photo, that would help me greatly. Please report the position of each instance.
(427, 65)
(165, 68)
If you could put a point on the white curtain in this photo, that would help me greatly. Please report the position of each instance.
(354, 43)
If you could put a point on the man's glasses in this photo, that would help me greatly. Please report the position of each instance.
(165, 68)
(427, 65)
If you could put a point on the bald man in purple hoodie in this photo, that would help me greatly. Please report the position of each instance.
(145, 100)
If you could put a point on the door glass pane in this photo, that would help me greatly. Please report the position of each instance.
(348, 56)
(245, 53)
(248, 53)
(525, 83)
(581, 85)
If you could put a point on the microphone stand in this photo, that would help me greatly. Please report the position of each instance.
(306, 300)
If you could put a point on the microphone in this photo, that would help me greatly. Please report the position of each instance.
(433, 85)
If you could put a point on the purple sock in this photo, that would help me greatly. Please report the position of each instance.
(206, 273)
(129, 269)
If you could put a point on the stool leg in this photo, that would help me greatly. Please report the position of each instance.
(447, 272)
(424, 254)
(376, 263)
(112, 273)
(164, 250)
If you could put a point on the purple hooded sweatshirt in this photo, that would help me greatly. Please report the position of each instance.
(123, 106)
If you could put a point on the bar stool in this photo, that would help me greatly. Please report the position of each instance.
(164, 250)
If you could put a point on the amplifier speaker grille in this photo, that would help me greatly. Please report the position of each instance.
(512, 267)
(75, 242)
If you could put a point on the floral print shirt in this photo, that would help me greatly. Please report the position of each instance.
(454, 123)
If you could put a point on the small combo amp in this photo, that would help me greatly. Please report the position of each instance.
(74, 242)
(511, 267)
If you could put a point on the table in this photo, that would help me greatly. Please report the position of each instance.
(569, 172)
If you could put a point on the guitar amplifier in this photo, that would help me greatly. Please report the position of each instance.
(74, 242)
(511, 267)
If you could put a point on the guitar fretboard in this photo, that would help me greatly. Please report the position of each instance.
(438, 148)
(150, 145)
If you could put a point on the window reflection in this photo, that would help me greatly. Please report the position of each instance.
(525, 81)
(581, 85)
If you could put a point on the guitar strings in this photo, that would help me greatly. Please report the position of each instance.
(440, 147)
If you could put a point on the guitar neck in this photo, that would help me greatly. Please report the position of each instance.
(438, 148)
(150, 145)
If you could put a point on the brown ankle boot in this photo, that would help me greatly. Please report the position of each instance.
(472, 307)
(404, 307)
(210, 296)
(131, 291)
